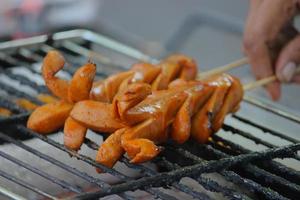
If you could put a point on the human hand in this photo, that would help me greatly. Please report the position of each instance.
(271, 44)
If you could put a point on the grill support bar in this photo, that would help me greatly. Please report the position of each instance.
(210, 166)
(247, 135)
(281, 183)
(265, 129)
(232, 176)
(72, 170)
(89, 160)
(41, 173)
(24, 184)
(150, 172)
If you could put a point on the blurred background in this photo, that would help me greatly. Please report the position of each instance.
(154, 22)
(208, 30)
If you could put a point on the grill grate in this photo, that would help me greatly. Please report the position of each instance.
(252, 174)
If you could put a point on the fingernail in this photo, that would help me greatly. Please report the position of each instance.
(288, 71)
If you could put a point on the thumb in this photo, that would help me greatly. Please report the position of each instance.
(288, 60)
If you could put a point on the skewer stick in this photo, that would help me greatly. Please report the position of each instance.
(264, 81)
(239, 63)
(224, 68)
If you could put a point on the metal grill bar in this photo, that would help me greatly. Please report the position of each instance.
(14, 119)
(30, 55)
(18, 93)
(87, 53)
(10, 194)
(117, 46)
(45, 48)
(278, 112)
(25, 185)
(150, 172)
(253, 186)
(253, 170)
(12, 61)
(38, 58)
(233, 130)
(72, 153)
(178, 186)
(280, 183)
(24, 80)
(283, 170)
(87, 160)
(11, 106)
(71, 59)
(154, 192)
(208, 184)
(232, 176)
(72, 170)
(265, 129)
(159, 194)
(210, 166)
(17, 63)
(91, 54)
(41, 173)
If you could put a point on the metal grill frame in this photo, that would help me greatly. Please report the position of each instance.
(223, 160)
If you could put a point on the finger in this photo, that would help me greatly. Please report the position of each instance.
(260, 27)
(253, 7)
(261, 66)
(272, 16)
(296, 79)
(288, 59)
(254, 3)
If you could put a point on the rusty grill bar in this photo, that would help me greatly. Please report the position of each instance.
(257, 173)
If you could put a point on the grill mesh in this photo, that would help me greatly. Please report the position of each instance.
(255, 173)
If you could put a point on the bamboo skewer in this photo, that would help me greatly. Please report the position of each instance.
(264, 81)
(236, 64)
(224, 68)
(259, 83)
